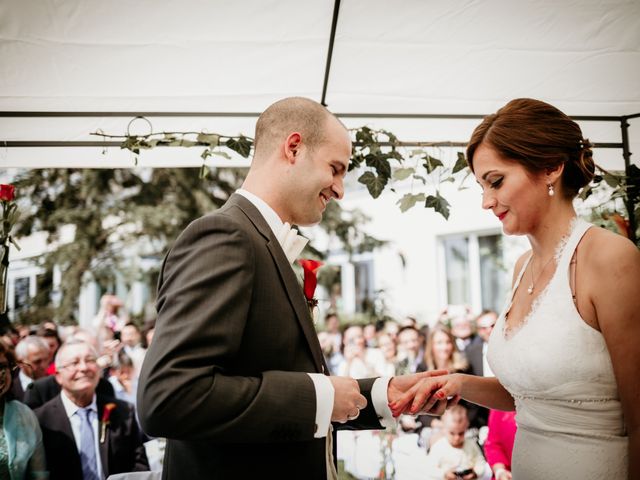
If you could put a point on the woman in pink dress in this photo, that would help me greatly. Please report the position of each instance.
(498, 446)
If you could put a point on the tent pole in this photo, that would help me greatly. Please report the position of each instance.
(334, 24)
(630, 200)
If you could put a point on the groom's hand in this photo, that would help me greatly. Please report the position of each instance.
(399, 387)
(347, 401)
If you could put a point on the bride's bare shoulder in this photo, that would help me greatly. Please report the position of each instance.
(603, 249)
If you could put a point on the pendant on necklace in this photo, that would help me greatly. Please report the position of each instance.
(530, 289)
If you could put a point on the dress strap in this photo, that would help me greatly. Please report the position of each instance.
(578, 230)
(515, 285)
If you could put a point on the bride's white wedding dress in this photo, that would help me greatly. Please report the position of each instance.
(559, 371)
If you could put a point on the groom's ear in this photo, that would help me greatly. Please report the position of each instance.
(292, 146)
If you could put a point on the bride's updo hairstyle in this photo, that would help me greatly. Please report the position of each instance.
(540, 138)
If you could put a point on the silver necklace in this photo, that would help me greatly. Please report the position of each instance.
(533, 281)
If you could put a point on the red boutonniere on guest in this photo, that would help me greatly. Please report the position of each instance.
(104, 423)
(310, 268)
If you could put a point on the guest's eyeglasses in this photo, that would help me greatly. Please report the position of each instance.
(75, 364)
(5, 367)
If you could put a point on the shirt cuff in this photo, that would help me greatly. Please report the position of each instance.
(381, 402)
(324, 403)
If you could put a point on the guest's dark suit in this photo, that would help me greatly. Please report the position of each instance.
(473, 352)
(224, 378)
(44, 389)
(122, 450)
(16, 389)
(478, 416)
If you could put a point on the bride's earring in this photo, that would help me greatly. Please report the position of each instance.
(551, 190)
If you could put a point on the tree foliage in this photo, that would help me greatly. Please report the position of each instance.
(116, 213)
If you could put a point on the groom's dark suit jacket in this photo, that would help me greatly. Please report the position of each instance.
(224, 378)
(122, 451)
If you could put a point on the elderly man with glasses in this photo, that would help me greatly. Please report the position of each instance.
(87, 436)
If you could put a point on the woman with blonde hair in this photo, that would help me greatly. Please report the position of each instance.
(442, 352)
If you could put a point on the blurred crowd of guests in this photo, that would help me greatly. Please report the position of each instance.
(67, 398)
(56, 383)
(469, 441)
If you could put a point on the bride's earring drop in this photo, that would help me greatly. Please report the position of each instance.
(551, 190)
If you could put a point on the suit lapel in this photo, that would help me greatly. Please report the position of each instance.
(292, 287)
(60, 420)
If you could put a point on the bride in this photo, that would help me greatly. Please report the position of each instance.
(566, 349)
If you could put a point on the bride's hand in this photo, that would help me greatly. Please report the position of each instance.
(430, 395)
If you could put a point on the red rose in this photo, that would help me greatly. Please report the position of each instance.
(310, 268)
(106, 414)
(7, 193)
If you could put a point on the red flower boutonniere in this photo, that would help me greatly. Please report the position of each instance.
(7, 193)
(9, 214)
(106, 415)
(310, 268)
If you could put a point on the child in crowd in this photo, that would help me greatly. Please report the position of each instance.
(453, 456)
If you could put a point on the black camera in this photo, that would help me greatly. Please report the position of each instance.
(462, 473)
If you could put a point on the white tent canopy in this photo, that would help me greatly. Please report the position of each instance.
(414, 56)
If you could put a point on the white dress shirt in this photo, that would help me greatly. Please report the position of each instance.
(25, 380)
(324, 388)
(71, 409)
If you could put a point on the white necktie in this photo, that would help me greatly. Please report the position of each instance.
(292, 243)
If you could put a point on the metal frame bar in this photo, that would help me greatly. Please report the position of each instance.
(623, 120)
(332, 37)
(434, 116)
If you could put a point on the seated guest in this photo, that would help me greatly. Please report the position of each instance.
(123, 379)
(441, 353)
(44, 389)
(21, 452)
(87, 436)
(410, 350)
(131, 340)
(32, 353)
(50, 336)
(476, 353)
(454, 456)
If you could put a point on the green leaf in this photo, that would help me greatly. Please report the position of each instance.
(392, 138)
(356, 159)
(241, 145)
(365, 135)
(409, 201)
(421, 178)
(212, 139)
(585, 192)
(461, 163)
(439, 204)
(375, 184)
(381, 164)
(431, 163)
(612, 180)
(403, 173)
(204, 171)
(131, 143)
